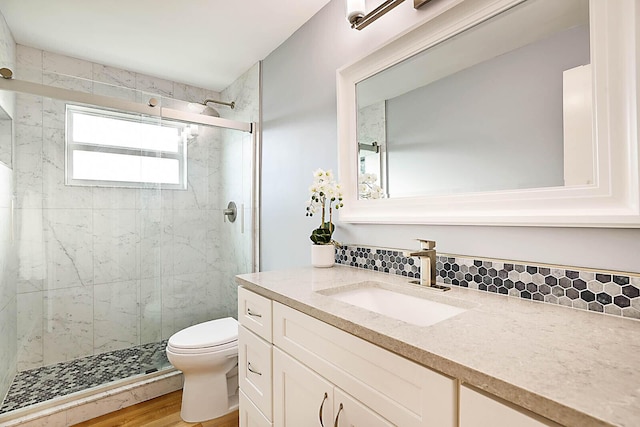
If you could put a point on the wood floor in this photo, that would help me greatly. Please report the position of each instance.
(163, 411)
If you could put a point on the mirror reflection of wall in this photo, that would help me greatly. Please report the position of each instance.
(6, 144)
(371, 143)
(483, 111)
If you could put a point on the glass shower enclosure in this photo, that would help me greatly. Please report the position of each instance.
(122, 233)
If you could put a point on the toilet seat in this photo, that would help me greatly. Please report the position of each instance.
(202, 350)
(212, 336)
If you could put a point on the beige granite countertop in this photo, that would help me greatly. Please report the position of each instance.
(574, 367)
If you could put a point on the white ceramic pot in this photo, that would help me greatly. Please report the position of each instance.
(323, 256)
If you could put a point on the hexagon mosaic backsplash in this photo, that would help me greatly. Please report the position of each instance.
(617, 294)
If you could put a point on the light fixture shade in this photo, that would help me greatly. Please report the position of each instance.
(355, 9)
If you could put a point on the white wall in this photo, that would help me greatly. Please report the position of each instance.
(299, 135)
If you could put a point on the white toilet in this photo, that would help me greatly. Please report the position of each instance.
(207, 355)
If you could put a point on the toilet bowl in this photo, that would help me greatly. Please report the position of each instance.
(207, 355)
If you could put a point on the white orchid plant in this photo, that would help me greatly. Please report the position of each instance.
(325, 195)
(368, 187)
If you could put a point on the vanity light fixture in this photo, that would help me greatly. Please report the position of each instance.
(359, 19)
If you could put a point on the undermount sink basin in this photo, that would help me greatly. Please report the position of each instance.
(408, 308)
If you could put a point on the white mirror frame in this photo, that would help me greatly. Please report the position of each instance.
(614, 199)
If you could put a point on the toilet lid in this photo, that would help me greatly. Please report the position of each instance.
(208, 334)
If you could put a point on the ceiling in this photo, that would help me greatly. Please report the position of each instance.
(205, 43)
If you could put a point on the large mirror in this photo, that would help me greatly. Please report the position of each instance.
(496, 112)
(506, 104)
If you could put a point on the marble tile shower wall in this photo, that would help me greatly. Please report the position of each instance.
(108, 268)
(617, 294)
(8, 262)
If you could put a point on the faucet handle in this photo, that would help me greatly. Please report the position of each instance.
(427, 244)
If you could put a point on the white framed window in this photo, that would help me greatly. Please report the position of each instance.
(118, 149)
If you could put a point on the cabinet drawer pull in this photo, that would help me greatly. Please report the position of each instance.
(338, 415)
(250, 313)
(253, 370)
(321, 407)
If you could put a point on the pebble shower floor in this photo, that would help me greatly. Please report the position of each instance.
(49, 382)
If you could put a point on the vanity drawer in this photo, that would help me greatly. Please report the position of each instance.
(250, 416)
(254, 313)
(254, 370)
(406, 393)
(478, 409)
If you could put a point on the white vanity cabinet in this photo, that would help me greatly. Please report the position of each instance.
(480, 410)
(375, 387)
(298, 371)
(255, 360)
(307, 399)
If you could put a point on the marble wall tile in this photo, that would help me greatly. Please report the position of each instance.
(167, 310)
(112, 76)
(28, 166)
(196, 196)
(53, 113)
(28, 111)
(115, 245)
(229, 294)
(218, 304)
(67, 82)
(116, 316)
(29, 66)
(69, 247)
(56, 194)
(192, 93)
(214, 138)
(68, 324)
(196, 298)
(245, 91)
(30, 250)
(154, 85)
(188, 299)
(190, 230)
(30, 330)
(218, 244)
(150, 310)
(156, 242)
(150, 198)
(61, 64)
(114, 198)
(233, 166)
